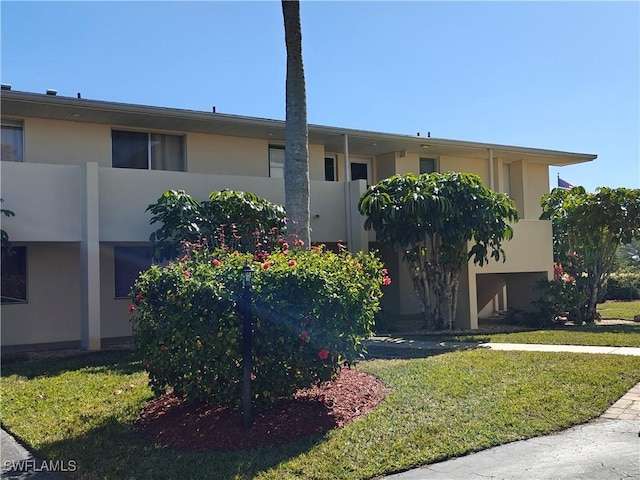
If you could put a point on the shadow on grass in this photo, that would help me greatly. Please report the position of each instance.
(115, 450)
(383, 352)
(118, 361)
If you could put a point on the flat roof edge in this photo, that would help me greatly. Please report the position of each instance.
(313, 128)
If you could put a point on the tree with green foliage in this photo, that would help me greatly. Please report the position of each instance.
(230, 219)
(432, 218)
(588, 229)
(296, 163)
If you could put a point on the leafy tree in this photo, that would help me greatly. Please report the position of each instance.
(230, 219)
(629, 255)
(431, 218)
(588, 228)
(4, 235)
(296, 164)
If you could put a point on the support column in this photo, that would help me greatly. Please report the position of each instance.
(90, 259)
(467, 310)
(491, 172)
(347, 190)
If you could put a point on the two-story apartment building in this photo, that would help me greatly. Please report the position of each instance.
(79, 174)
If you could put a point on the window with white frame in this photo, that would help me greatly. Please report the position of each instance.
(128, 263)
(276, 161)
(147, 151)
(12, 141)
(14, 275)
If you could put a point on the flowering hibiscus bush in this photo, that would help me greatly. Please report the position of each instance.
(310, 309)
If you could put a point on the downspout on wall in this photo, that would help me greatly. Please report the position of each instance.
(347, 195)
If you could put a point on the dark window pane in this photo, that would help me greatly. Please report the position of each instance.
(427, 165)
(130, 149)
(330, 169)
(359, 171)
(128, 263)
(14, 275)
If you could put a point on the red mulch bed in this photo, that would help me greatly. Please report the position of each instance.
(172, 423)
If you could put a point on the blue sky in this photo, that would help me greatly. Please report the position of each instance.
(555, 75)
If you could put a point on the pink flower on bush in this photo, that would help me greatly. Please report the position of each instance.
(292, 263)
(132, 308)
(323, 354)
(163, 348)
(285, 246)
(304, 336)
(266, 265)
(216, 262)
(386, 281)
(186, 273)
(139, 297)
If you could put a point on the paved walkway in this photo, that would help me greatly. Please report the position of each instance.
(377, 343)
(605, 449)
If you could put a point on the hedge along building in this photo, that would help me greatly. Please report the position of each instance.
(80, 173)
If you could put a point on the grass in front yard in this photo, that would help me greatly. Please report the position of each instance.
(442, 406)
(624, 335)
(624, 310)
(605, 335)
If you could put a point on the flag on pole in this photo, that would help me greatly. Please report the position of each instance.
(564, 184)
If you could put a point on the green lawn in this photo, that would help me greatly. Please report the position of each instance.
(440, 407)
(606, 335)
(622, 310)
(627, 335)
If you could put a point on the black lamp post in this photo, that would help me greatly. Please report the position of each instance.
(246, 348)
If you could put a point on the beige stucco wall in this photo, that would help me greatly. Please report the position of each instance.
(409, 163)
(477, 166)
(52, 313)
(225, 155)
(316, 162)
(61, 142)
(46, 200)
(537, 186)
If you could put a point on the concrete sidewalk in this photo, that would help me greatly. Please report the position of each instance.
(381, 343)
(19, 464)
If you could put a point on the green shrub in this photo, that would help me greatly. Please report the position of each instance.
(310, 309)
(236, 220)
(623, 286)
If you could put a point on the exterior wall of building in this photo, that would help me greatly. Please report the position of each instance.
(68, 143)
(477, 166)
(221, 155)
(52, 311)
(72, 208)
(46, 199)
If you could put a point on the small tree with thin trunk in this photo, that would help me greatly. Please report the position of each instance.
(588, 228)
(433, 218)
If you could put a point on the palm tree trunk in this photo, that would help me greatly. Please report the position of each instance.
(296, 165)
